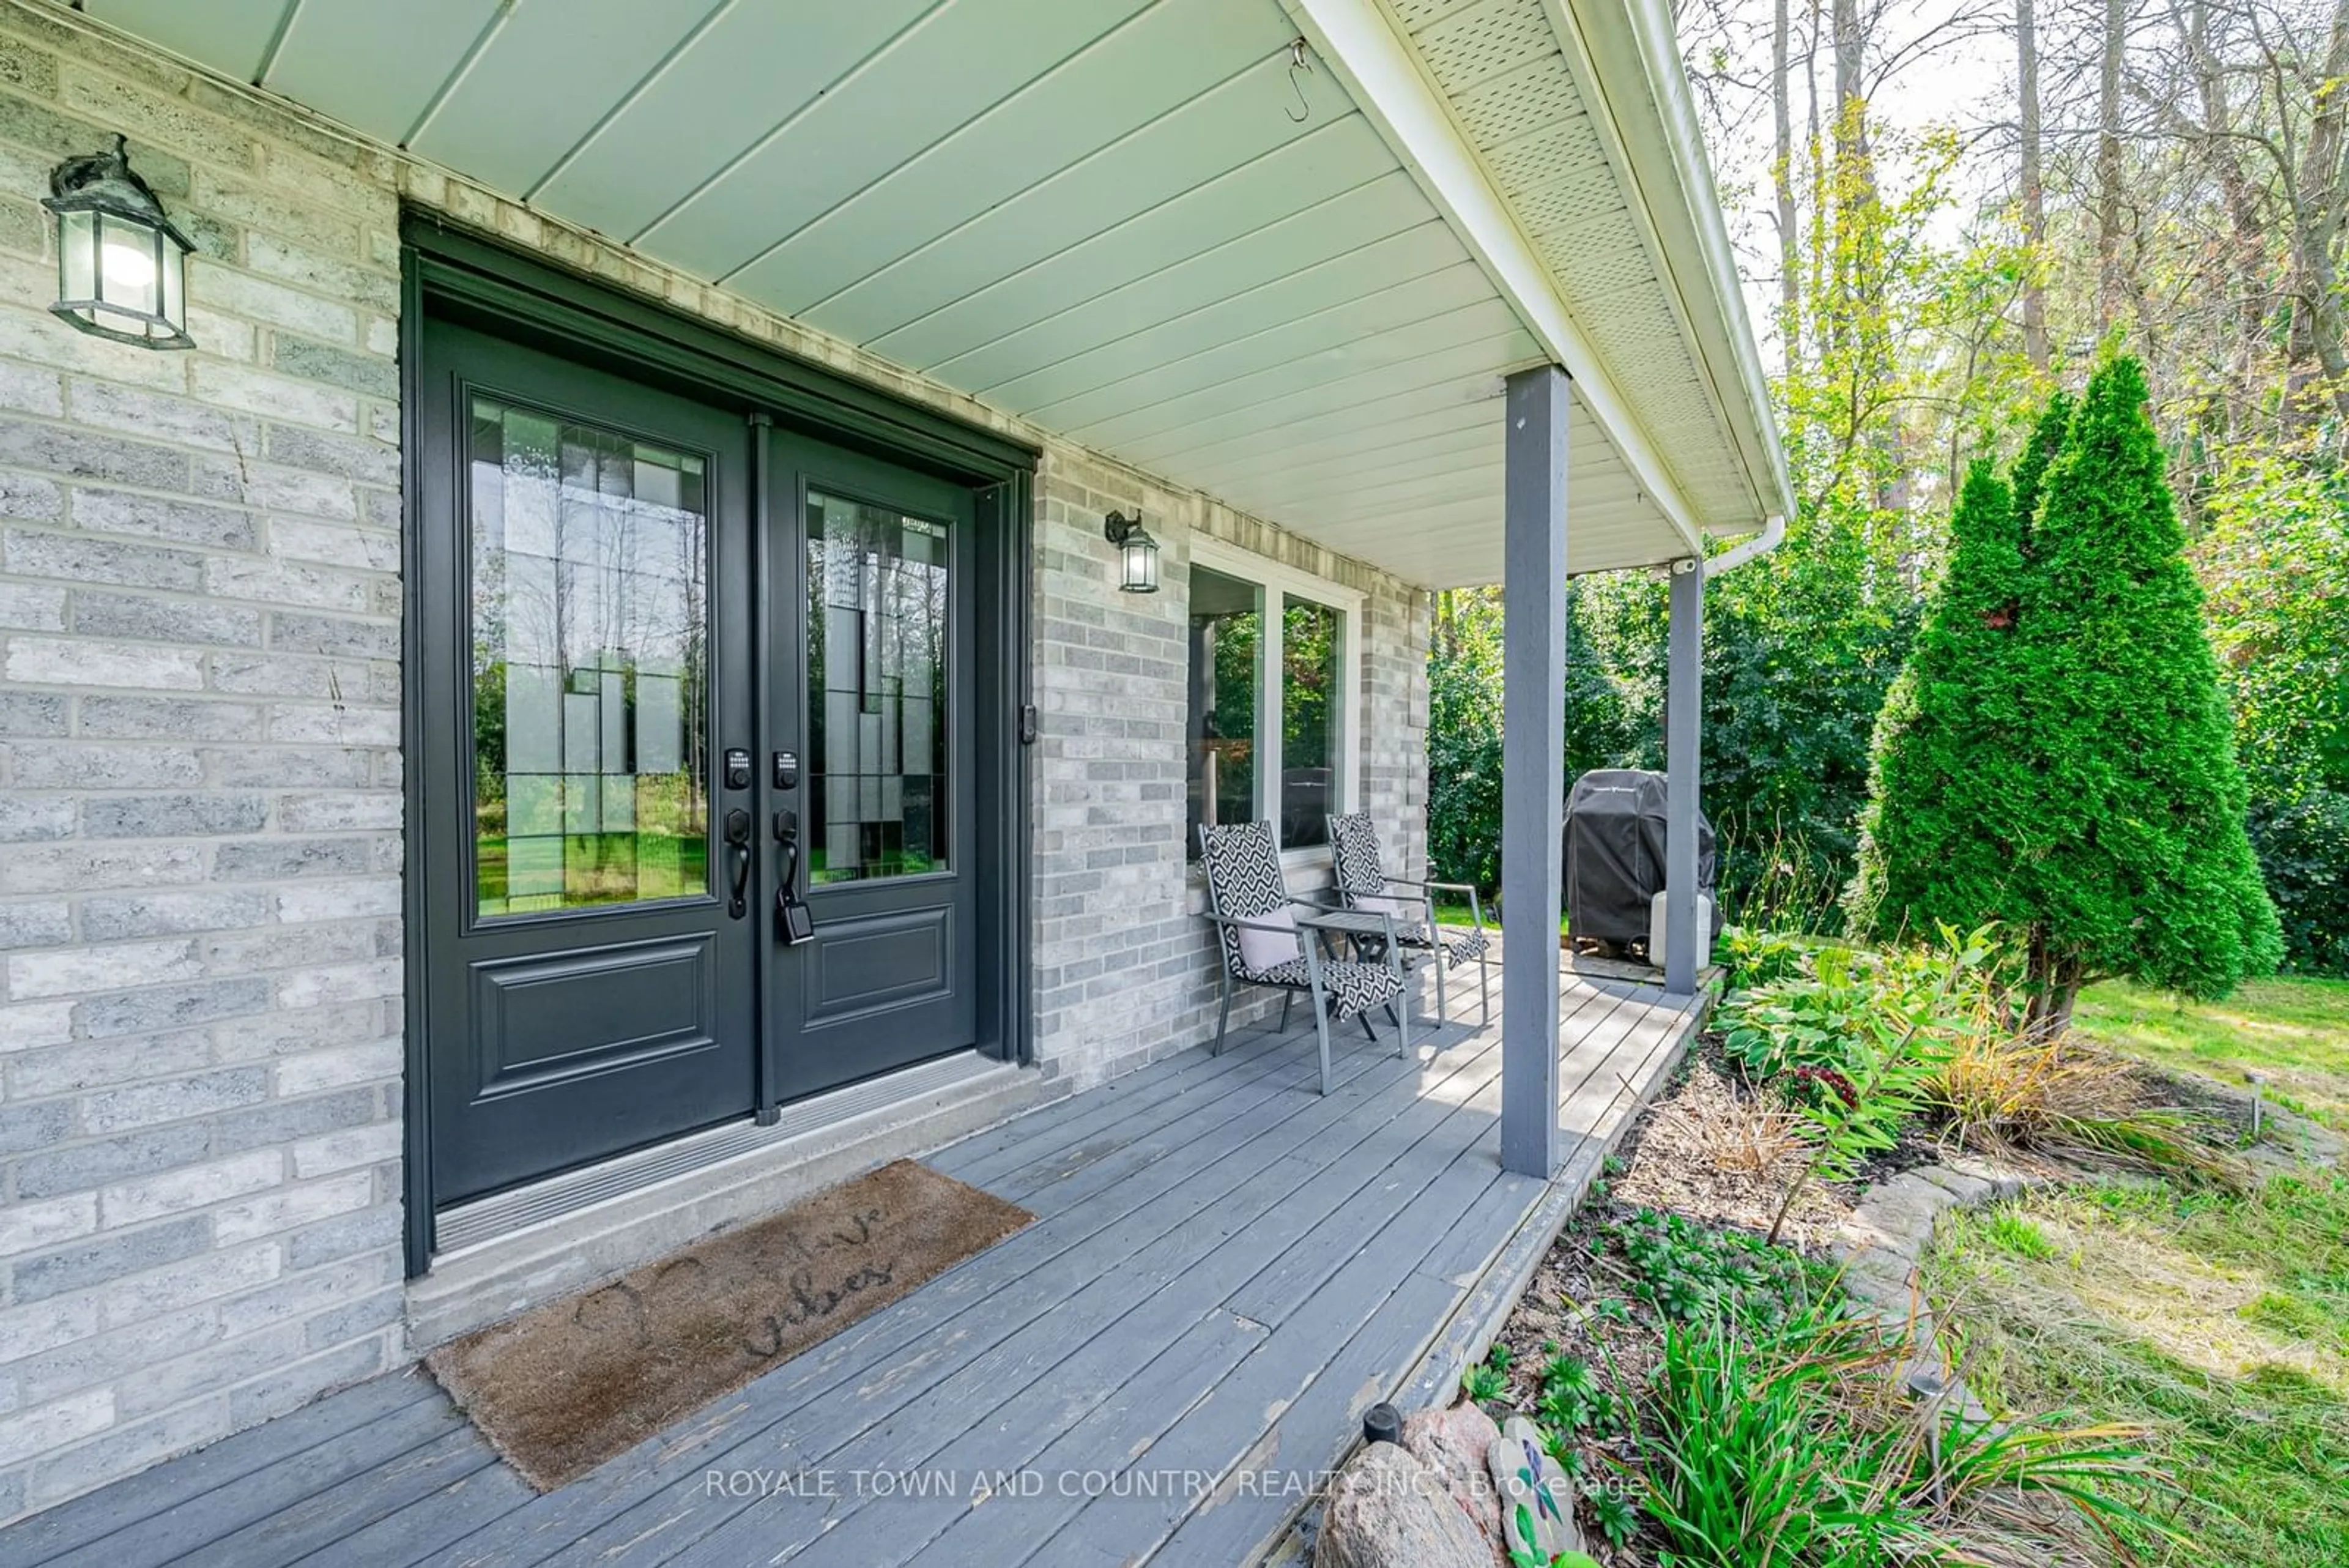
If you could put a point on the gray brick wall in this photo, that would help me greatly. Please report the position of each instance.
(1124, 968)
(200, 801)
(1394, 722)
(199, 856)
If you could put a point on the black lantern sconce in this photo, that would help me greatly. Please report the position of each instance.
(122, 265)
(1137, 553)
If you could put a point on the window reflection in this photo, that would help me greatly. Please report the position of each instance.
(1226, 616)
(1309, 698)
(589, 665)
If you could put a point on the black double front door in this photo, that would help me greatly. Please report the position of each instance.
(699, 826)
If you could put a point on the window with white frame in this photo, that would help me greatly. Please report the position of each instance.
(1273, 705)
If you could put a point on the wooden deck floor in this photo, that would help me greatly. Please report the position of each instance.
(1226, 1269)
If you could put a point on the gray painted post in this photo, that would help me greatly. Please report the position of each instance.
(1684, 701)
(1533, 765)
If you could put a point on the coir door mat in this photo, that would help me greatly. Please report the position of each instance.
(561, 1389)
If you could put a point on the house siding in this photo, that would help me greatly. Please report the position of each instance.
(201, 794)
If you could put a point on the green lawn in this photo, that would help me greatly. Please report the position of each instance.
(599, 869)
(2218, 1322)
(2296, 1031)
(1457, 915)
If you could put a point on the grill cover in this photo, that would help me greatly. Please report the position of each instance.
(1615, 855)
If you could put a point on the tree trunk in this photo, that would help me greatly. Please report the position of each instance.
(2109, 281)
(1853, 182)
(1782, 176)
(2063, 991)
(2247, 268)
(2035, 195)
(2051, 984)
(2319, 207)
(1816, 157)
(1851, 146)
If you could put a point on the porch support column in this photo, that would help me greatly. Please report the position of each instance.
(1683, 704)
(1533, 765)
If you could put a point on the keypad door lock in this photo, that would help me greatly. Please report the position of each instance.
(737, 768)
(786, 770)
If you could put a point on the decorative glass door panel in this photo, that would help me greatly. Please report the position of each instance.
(697, 825)
(590, 665)
(874, 689)
(878, 661)
(582, 647)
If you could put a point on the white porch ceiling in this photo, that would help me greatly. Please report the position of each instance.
(1104, 216)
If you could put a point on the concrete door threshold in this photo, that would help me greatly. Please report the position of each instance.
(519, 1250)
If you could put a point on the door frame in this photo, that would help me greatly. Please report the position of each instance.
(463, 276)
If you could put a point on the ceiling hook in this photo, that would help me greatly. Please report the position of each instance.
(1297, 63)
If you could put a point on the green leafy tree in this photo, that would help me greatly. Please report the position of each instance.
(2030, 468)
(1463, 740)
(2064, 762)
(2275, 563)
(2274, 560)
(1952, 787)
(1785, 752)
(1464, 727)
(2139, 862)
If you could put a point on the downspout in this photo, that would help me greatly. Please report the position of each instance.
(1773, 533)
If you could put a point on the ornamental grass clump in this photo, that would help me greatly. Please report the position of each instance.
(1796, 1445)
(2003, 1094)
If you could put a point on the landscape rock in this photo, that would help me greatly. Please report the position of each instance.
(1453, 1443)
(2005, 1182)
(1881, 1244)
(1967, 1190)
(1898, 1214)
(1880, 1278)
(1533, 1490)
(1388, 1510)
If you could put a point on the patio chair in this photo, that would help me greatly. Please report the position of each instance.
(1364, 885)
(1262, 943)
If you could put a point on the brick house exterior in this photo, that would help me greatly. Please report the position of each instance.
(201, 847)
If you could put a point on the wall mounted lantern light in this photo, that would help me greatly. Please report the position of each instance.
(121, 265)
(1137, 553)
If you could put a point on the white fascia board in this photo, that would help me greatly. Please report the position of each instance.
(1383, 78)
(1627, 62)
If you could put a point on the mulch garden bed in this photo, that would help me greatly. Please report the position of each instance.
(1710, 1163)
(1715, 1152)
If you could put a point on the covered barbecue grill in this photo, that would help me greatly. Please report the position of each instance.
(1615, 857)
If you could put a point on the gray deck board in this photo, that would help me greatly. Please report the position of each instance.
(170, 1534)
(1134, 1312)
(1028, 1139)
(1186, 1265)
(115, 1514)
(314, 1525)
(961, 1314)
(1226, 1270)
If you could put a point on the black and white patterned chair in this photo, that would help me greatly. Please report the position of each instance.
(1261, 943)
(1363, 884)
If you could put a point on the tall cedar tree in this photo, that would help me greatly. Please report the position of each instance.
(2057, 754)
(2135, 859)
(2031, 469)
(1952, 770)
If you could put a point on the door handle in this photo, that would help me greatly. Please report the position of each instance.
(738, 850)
(793, 922)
